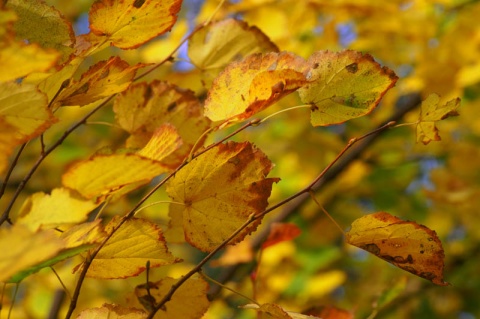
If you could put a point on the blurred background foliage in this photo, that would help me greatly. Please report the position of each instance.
(434, 47)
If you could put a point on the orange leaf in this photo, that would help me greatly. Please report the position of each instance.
(344, 85)
(405, 244)
(142, 108)
(329, 312)
(101, 80)
(126, 253)
(127, 24)
(219, 191)
(281, 232)
(249, 86)
(189, 301)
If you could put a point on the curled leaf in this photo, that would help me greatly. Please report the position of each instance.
(405, 244)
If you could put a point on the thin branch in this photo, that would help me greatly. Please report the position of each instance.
(21, 186)
(11, 168)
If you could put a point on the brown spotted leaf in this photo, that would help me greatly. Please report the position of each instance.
(344, 85)
(405, 244)
(217, 192)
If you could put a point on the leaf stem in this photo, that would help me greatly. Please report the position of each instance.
(312, 195)
(305, 106)
(226, 287)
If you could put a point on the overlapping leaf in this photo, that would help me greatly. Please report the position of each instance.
(110, 311)
(55, 32)
(407, 245)
(344, 85)
(433, 112)
(222, 42)
(273, 311)
(249, 86)
(218, 192)
(127, 24)
(129, 249)
(101, 80)
(17, 58)
(59, 208)
(189, 301)
(23, 115)
(106, 175)
(144, 107)
(27, 252)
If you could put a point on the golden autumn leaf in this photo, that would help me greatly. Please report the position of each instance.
(126, 253)
(143, 108)
(127, 24)
(17, 58)
(59, 208)
(218, 191)
(222, 42)
(405, 244)
(111, 174)
(57, 34)
(249, 86)
(273, 311)
(22, 248)
(165, 140)
(74, 241)
(24, 114)
(189, 301)
(433, 112)
(344, 85)
(102, 80)
(111, 311)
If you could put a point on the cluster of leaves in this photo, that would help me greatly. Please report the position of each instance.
(174, 139)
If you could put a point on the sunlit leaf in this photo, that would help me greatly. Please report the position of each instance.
(248, 86)
(104, 175)
(17, 58)
(189, 301)
(165, 140)
(55, 32)
(281, 232)
(127, 24)
(405, 244)
(74, 241)
(129, 249)
(218, 191)
(61, 207)
(110, 311)
(23, 115)
(222, 42)
(433, 112)
(344, 85)
(143, 108)
(21, 249)
(101, 80)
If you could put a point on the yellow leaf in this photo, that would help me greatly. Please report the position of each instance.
(219, 191)
(59, 208)
(105, 175)
(269, 311)
(433, 112)
(43, 24)
(21, 248)
(407, 245)
(130, 23)
(102, 80)
(23, 115)
(143, 108)
(110, 311)
(126, 253)
(165, 140)
(83, 234)
(18, 59)
(249, 86)
(222, 42)
(344, 85)
(189, 301)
